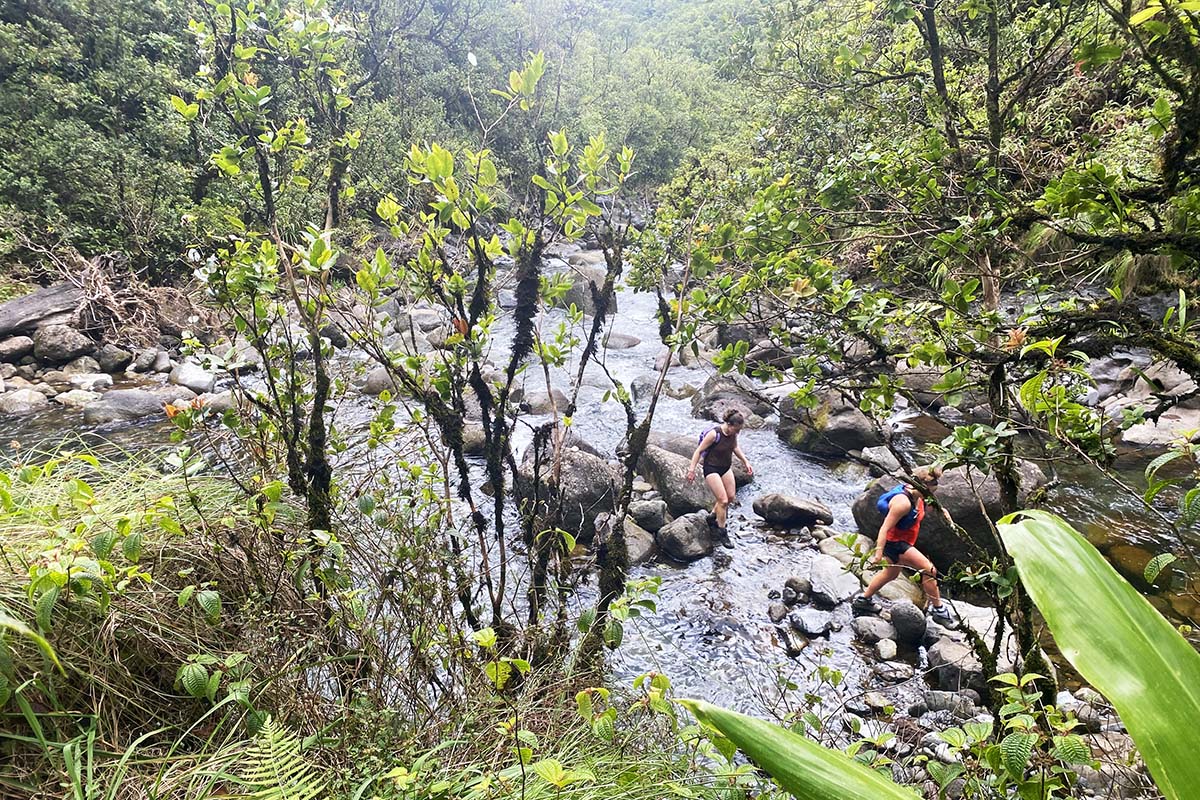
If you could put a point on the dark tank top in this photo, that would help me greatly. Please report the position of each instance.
(720, 455)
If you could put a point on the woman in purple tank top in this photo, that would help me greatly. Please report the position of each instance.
(717, 449)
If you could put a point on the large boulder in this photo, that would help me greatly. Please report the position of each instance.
(122, 405)
(786, 511)
(59, 344)
(588, 486)
(685, 444)
(956, 666)
(24, 313)
(832, 428)
(830, 582)
(667, 472)
(686, 538)
(22, 401)
(587, 274)
(723, 393)
(942, 544)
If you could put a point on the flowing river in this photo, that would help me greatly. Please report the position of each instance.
(711, 633)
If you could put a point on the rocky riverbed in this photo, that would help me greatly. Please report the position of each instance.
(754, 627)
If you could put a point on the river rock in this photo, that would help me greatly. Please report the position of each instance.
(84, 365)
(25, 313)
(811, 621)
(76, 398)
(119, 405)
(881, 461)
(831, 584)
(909, 622)
(22, 401)
(583, 276)
(885, 649)
(15, 348)
(667, 472)
(144, 360)
(90, 382)
(687, 537)
(162, 362)
(640, 546)
(58, 344)
(937, 540)
(650, 514)
(894, 671)
(777, 612)
(685, 444)
(541, 402)
(113, 359)
(193, 376)
(723, 393)
(620, 341)
(587, 486)
(833, 428)
(639, 543)
(956, 666)
(378, 381)
(474, 438)
(871, 629)
(786, 511)
(798, 584)
(1120, 774)
(419, 318)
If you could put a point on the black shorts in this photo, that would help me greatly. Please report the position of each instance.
(711, 470)
(893, 550)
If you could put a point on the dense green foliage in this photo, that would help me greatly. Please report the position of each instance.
(94, 157)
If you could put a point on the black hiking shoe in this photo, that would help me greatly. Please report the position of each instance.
(722, 538)
(711, 519)
(864, 606)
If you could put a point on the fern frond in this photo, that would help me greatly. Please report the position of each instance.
(275, 768)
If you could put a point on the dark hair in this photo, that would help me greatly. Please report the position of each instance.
(734, 417)
(928, 475)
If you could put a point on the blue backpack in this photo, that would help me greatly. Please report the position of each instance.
(881, 505)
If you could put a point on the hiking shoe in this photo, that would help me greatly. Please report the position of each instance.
(863, 606)
(722, 538)
(942, 616)
(711, 519)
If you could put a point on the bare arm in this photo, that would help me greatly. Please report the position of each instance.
(737, 451)
(708, 441)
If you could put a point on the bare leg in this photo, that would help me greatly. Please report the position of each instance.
(717, 486)
(881, 579)
(912, 557)
(730, 489)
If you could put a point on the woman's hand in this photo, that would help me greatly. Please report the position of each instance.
(691, 474)
(749, 469)
(877, 557)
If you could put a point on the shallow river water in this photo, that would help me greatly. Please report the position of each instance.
(711, 634)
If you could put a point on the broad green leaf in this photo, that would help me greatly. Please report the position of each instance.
(1117, 642)
(802, 767)
(193, 678)
(210, 602)
(1156, 565)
